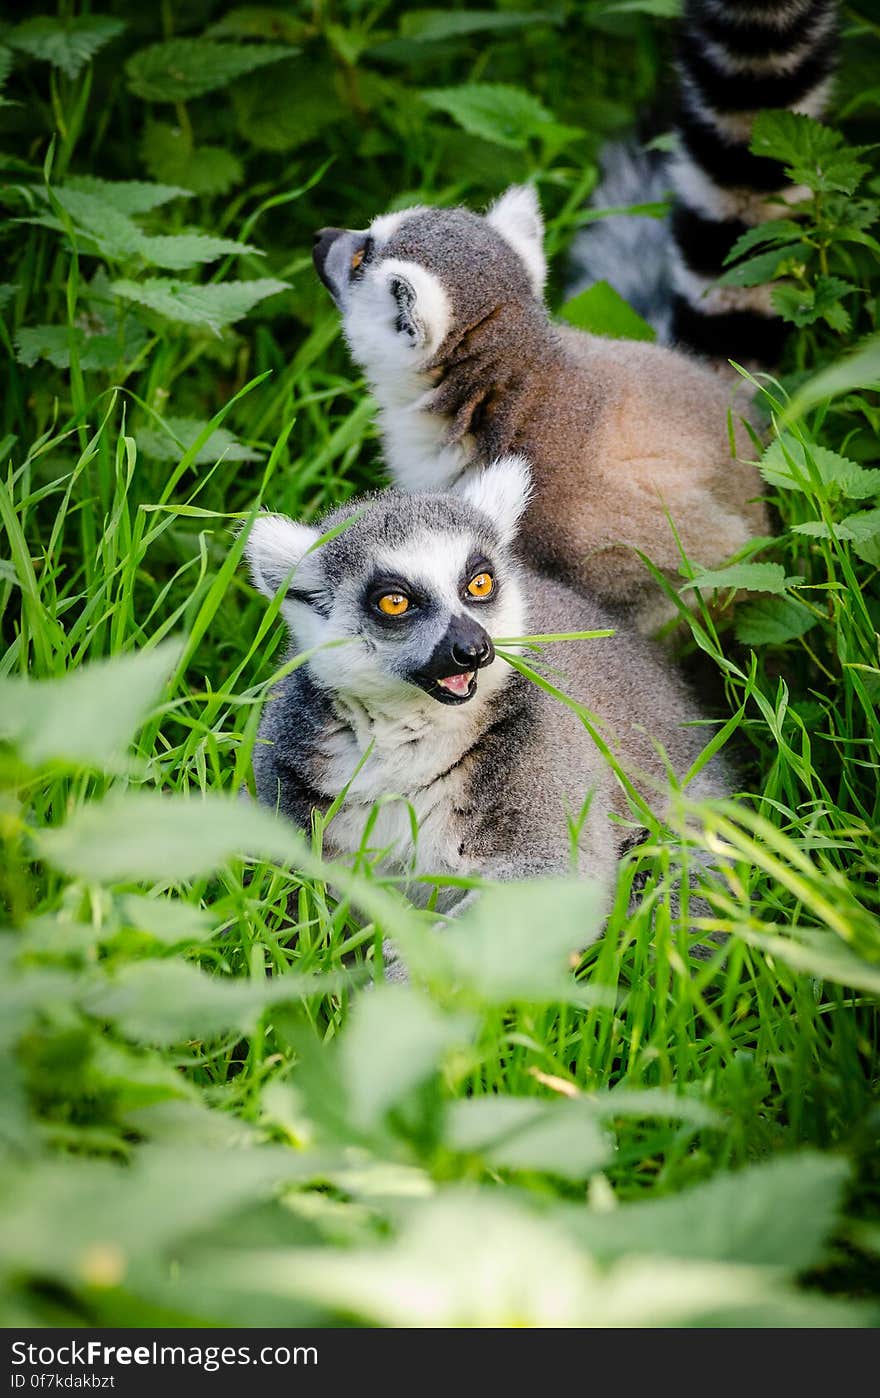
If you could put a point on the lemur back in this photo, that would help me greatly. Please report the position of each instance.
(412, 707)
(444, 311)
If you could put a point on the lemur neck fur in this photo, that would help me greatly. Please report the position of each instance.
(471, 402)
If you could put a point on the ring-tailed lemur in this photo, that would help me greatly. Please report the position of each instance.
(735, 58)
(444, 311)
(415, 704)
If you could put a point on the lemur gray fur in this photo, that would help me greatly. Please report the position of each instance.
(416, 705)
(444, 311)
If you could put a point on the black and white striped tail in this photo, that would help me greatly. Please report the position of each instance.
(737, 57)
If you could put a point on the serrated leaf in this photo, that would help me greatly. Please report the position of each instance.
(127, 196)
(181, 69)
(178, 251)
(68, 44)
(805, 305)
(162, 446)
(561, 1137)
(427, 26)
(96, 349)
(813, 154)
(779, 1213)
(602, 311)
(510, 116)
(169, 154)
(287, 119)
(259, 22)
(748, 577)
(394, 1040)
(168, 1002)
(90, 715)
(766, 266)
(780, 230)
(771, 621)
(784, 464)
(120, 239)
(164, 839)
(211, 306)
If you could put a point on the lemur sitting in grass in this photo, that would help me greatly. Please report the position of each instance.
(443, 309)
(504, 780)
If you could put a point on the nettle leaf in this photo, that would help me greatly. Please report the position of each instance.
(178, 251)
(771, 621)
(7, 292)
(863, 529)
(120, 239)
(755, 271)
(96, 348)
(169, 154)
(426, 26)
(180, 69)
(747, 577)
(805, 305)
(165, 839)
(127, 196)
(813, 154)
(210, 306)
(496, 112)
(88, 716)
(603, 311)
(561, 1137)
(780, 230)
(68, 44)
(6, 61)
(285, 119)
(784, 464)
(259, 22)
(182, 432)
(394, 1040)
(167, 1002)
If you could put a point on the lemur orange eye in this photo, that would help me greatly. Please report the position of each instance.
(356, 259)
(482, 585)
(393, 604)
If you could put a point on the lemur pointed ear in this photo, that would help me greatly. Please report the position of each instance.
(516, 215)
(502, 491)
(275, 547)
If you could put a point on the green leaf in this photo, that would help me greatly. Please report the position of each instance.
(165, 839)
(394, 1040)
(259, 22)
(68, 44)
(813, 154)
(126, 196)
(780, 230)
(505, 948)
(771, 621)
(755, 271)
(182, 433)
(818, 953)
(168, 920)
(169, 154)
(603, 311)
(211, 306)
(750, 577)
(180, 69)
(805, 305)
(863, 529)
(497, 112)
(120, 239)
(90, 715)
(427, 26)
(784, 465)
(96, 349)
(285, 119)
(169, 1002)
(780, 1213)
(561, 1137)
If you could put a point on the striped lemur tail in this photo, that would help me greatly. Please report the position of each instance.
(736, 57)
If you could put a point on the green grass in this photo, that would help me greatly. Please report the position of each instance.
(204, 1116)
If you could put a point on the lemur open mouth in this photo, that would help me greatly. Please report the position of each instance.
(449, 689)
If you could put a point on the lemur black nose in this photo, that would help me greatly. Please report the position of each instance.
(471, 655)
(323, 242)
(471, 646)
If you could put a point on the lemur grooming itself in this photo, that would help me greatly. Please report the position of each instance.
(443, 309)
(416, 705)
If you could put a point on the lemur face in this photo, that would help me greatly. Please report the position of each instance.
(412, 589)
(416, 279)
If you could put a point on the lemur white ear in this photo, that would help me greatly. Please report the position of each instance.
(502, 491)
(275, 547)
(516, 215)
(422, 307)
